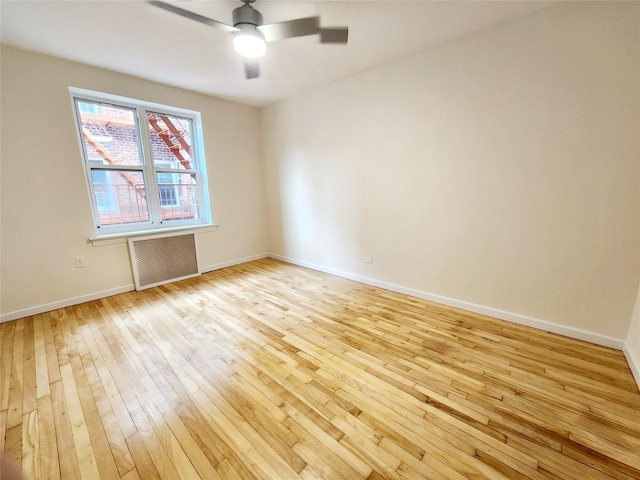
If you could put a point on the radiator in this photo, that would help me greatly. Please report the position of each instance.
(160, 259)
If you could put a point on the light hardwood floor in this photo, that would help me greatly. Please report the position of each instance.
(267, 370)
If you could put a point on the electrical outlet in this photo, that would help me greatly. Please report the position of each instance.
(367, 260)
(80, 262)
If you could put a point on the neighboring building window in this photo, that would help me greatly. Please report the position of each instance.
(105, 197)
(89, 108)
(168, 190)
(144, 163)
(168, 184)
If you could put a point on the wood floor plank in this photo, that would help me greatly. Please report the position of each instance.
(320, 457)
(267, 370)
(42, 370)
(53, 368)
(144, 463)
(14, 393)
(8, 331)
(48, 445)
(83, 448)
(3, 428)
(69, 467)
(131, 475)
(174, 452)
(153, 446)
(231, 430)
(13, 445)
(177, 401)
(189, 446)
(367, 450)
(29, 385)
(106, 432)
(31, 445)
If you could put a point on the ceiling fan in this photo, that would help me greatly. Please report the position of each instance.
(250, 34)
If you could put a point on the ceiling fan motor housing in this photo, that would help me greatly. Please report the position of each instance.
(246, 14)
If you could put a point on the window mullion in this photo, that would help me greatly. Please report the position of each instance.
(200, 164)
(153, 202)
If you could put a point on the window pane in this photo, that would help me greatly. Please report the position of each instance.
(170, 141)
(178, 196)
(120, 196)
(109, 133)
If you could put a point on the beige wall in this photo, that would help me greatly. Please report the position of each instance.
(46, 218)
(499, 169)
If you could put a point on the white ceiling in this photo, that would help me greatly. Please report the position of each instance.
(136, 38)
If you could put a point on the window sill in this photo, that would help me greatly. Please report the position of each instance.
(124, 237)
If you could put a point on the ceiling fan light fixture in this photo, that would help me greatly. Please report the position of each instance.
(249, 42)
(251, 33)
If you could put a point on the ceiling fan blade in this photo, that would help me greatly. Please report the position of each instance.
(289, 29)
(193, 16)
(334, 35)
(251, 68)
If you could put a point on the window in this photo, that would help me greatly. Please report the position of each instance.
(144, 163)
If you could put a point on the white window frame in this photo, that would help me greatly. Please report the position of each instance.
(142, 109)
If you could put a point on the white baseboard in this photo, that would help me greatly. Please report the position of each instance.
(573, 332)
(547, 326)
(634, 363)
(231, 263)
(68, 302)
(577, 333)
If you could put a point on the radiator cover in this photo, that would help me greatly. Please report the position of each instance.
(160, 259)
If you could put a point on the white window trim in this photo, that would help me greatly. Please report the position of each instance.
(155, 225)
(123, 237)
